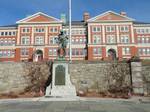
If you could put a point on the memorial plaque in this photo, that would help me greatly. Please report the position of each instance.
(60, 75)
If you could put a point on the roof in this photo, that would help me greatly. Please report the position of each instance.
(13, 26)
(76, 23)
(138, 22)
(141, 24)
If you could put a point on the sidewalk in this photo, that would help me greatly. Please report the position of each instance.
(135, 99)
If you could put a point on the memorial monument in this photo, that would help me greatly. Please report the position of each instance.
(61, 84)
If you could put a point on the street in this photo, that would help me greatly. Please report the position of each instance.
(74, 106)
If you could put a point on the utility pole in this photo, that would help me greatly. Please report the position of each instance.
(70, 33)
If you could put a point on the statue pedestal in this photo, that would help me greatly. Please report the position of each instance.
(61, 83)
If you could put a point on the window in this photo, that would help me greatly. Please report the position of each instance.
(2, 33)
(96, 39)
(148, 51)
(39, 40)
(81, 40)
(25, 40)
(8, 33)
(139, 40)
(143, 39)
(144, 51)
(7, 53)
(124, 28)
(54, 29)
(7, 42)
(14, 33)
(96, 29)
(53, 52)
(110, 28)
(78, 52)
(77, 40)
(52, 40)
(39, 30)
(143, 31)
(73, 41)
(97, 51)
(124, 39)
(24, 52)
(147, 40)
(25, 30)
(126, 51)
(111, 39)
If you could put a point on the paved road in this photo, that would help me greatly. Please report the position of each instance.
(74, 106)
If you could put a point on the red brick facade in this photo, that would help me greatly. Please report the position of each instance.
(98, 38)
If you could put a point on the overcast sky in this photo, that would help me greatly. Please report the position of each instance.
(14, 10)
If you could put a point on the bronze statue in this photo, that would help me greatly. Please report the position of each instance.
(62, 41)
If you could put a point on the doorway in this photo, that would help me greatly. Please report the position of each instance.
(38, 55)
(112, 54)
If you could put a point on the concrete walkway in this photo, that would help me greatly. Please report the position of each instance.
(76, 104)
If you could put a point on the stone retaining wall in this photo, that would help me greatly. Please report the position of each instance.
(100, 77)
(19, 78)
(146, 79)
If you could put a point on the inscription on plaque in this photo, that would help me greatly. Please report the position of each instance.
(60, 75)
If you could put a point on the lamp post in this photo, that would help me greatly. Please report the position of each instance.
(70, 49)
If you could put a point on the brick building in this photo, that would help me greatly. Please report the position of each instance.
(108, 35)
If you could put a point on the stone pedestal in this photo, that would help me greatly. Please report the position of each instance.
(61, 83)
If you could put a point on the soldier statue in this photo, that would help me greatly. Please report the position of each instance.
(62, 41)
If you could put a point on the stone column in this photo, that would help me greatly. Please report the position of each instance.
(137, 79)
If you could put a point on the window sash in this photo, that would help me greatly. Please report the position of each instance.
(110, 28)
(24, 52)
(25, 40)
(111, 39)
(96, 39)
(7, 53)
(126, 51)
(39, 40)
(53, 52)
(124, 39)
(97, 51)
(124, 28)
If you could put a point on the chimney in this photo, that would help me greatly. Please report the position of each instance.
(63, 18)
(86, 16)
(123, 13)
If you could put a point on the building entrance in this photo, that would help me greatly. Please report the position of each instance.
(112, 54)
(38, 55)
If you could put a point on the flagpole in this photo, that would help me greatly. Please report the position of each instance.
(70, 49)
